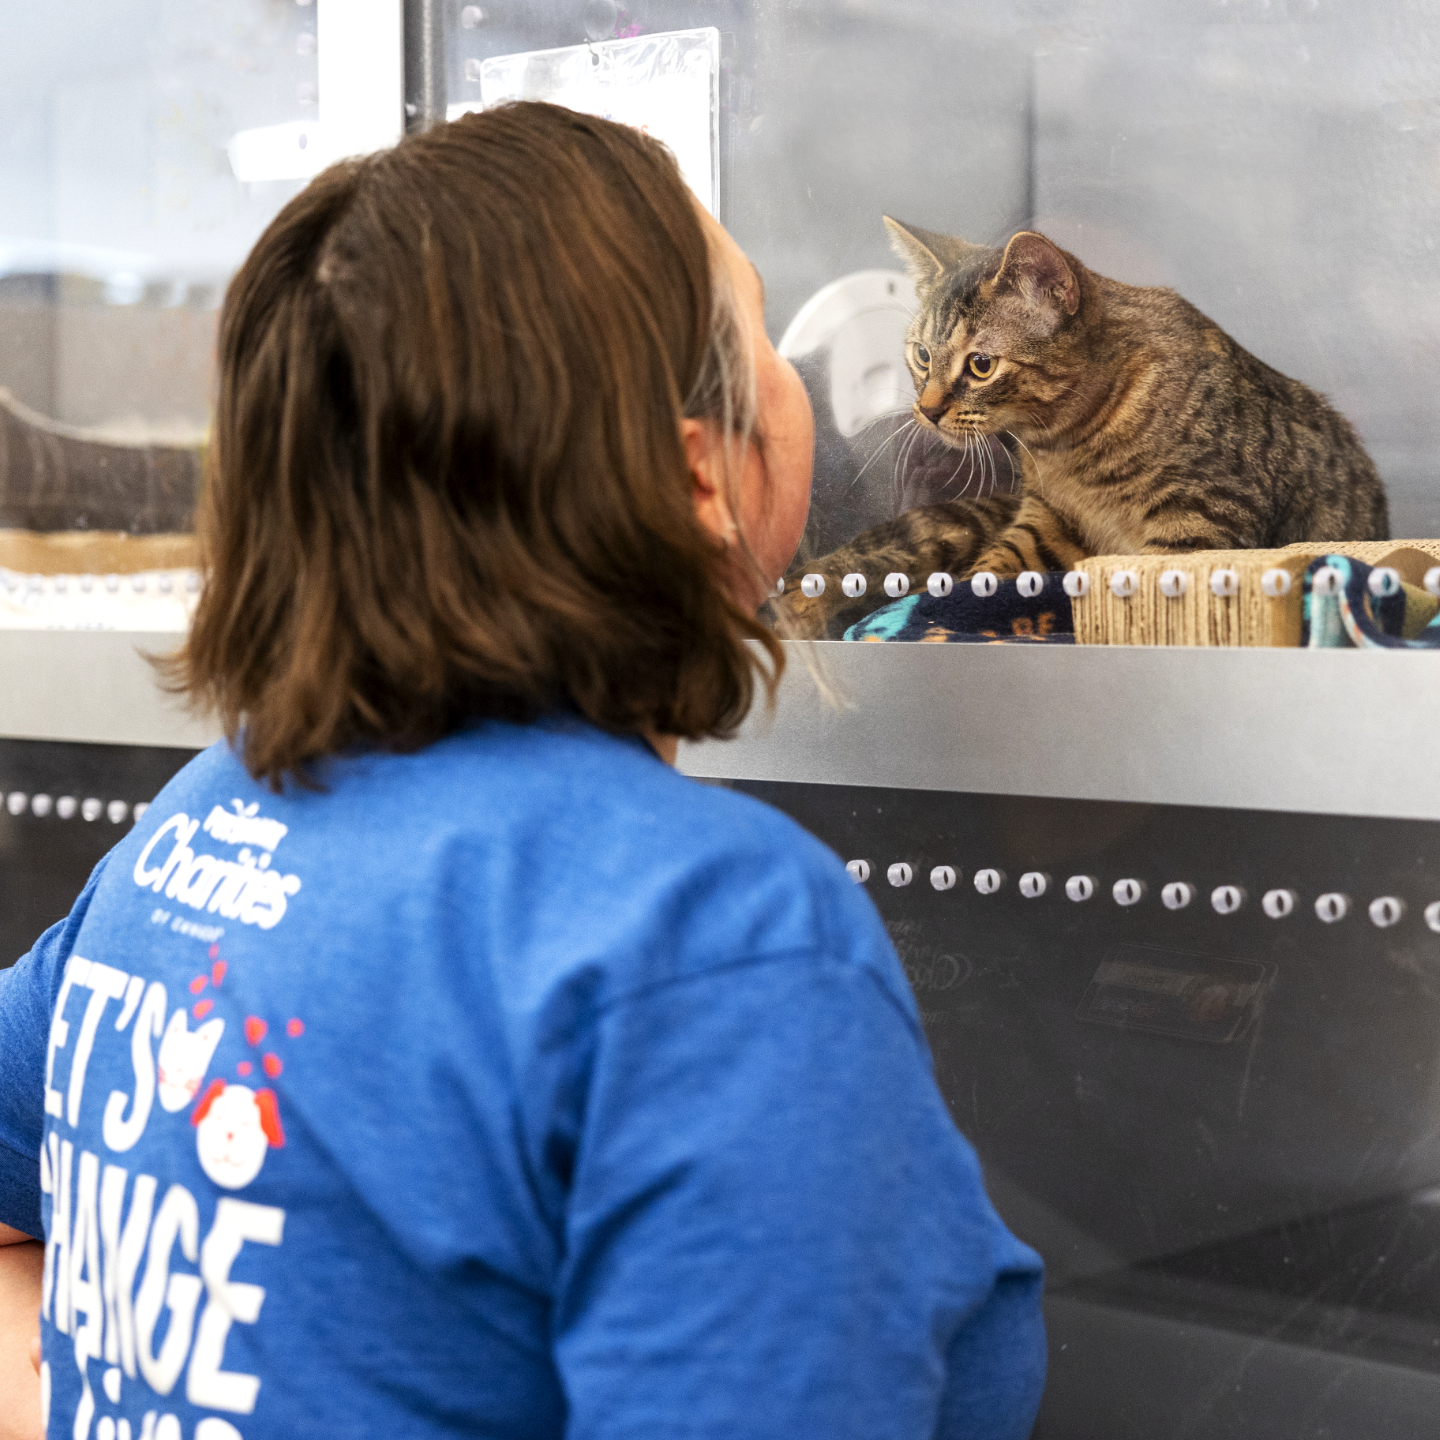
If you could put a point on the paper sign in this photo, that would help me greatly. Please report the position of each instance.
(665, 85)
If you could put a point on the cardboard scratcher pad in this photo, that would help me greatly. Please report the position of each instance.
(1248, 617)
(94, 552)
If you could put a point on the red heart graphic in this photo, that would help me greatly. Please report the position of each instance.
(255, 1029)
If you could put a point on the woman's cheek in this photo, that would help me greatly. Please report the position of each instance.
(775, 488)
(799, 463)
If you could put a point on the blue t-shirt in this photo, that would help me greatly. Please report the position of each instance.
(520, 1087)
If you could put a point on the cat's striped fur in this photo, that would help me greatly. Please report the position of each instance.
(1141, 426)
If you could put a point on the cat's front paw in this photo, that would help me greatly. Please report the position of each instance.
(1000, 562)
(796, 616)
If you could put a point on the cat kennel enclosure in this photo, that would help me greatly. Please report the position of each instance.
(1215, 1124)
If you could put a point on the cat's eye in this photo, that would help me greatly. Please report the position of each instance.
(982, 367)
(923, 356)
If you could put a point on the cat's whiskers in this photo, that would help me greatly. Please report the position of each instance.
(1009, 458)
(879, 450)
(898, 474)
(925, 443)
(904, 457)
(1033, 460)
(977, 464)
(964, 459)
(995, 463)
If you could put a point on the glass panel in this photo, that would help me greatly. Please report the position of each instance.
(147, 144)
(1270, 160)
(121, 219)
(830, 116)
(1199, 1113)
(120, 214)
(1216, 1124)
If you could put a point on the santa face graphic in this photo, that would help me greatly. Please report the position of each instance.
(234, 1128)
(184, 1058)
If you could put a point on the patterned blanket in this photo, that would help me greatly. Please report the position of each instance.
(1348, 614)
(964, 618)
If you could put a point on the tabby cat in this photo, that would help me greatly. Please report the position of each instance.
(1140, 426)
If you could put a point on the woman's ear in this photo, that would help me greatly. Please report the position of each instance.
(705, 457)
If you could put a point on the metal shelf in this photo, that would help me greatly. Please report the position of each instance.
(1337, 732)
(1343, 732)
(92, 685)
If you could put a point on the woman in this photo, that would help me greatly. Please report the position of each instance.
(433, 1059)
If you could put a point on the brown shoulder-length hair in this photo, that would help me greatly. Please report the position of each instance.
(446, 479)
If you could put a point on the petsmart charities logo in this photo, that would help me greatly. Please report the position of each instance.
(244, 889)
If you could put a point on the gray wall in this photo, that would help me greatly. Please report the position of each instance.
(852, 111)
(1279, 165)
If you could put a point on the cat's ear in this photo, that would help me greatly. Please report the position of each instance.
(924, 252)
(1038, 271)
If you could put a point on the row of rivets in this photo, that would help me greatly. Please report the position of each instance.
(1385, 910)
(17, 802)
(983, 583)
(1224, 583)
(60, 584)
(1384, 580)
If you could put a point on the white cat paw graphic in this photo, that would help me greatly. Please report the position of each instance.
(234, 1128)
(184, 1058)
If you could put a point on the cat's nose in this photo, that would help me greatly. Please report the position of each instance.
(931, 412)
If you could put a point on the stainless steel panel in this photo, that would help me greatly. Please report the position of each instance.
(1328, 732)
(1337, 732)
(91, 685)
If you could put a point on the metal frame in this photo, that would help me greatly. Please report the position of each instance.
(1340, 732)
(92, 685)
(1325, 732)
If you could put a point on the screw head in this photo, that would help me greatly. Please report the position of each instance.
(1128, 892)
